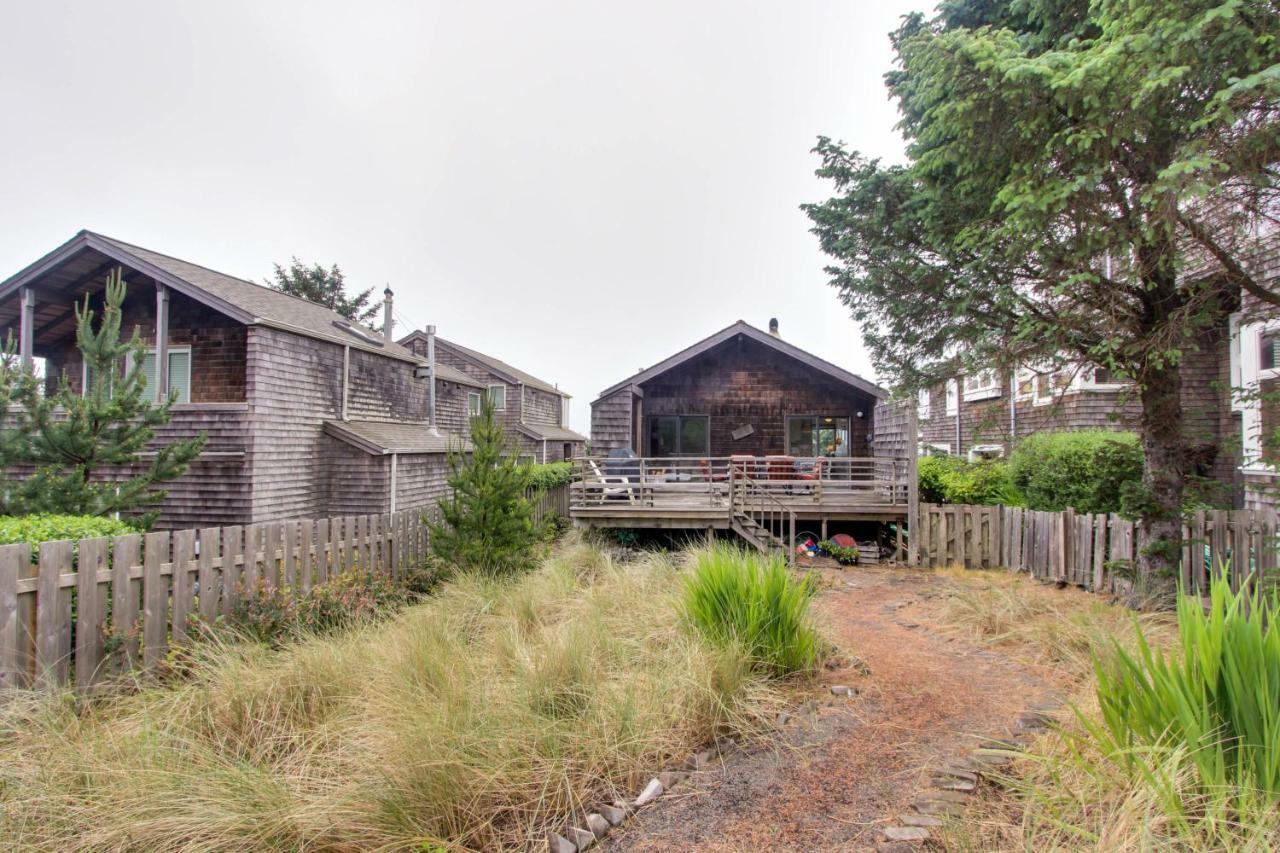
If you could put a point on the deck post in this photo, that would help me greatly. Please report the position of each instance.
(913, 487)
(27, 328)
(162, 342)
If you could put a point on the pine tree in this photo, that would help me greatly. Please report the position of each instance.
(87, 448)
(487, 524)
(328, 287)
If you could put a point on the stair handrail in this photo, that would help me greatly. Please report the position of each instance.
(776, 509)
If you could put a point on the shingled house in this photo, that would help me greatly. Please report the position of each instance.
(307, 414)
(532, 409)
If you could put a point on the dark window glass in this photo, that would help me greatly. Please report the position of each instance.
(1269, 340)
(678, 435)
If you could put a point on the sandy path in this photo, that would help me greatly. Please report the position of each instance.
(839, 773)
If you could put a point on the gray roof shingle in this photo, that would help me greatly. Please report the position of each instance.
(380, 437)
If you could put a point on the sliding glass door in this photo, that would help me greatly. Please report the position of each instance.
(679, 435)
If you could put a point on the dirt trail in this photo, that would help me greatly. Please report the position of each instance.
(840, 773)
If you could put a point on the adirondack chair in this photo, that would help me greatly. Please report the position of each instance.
(625, 491)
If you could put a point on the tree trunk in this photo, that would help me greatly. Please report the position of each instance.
(1160, 527)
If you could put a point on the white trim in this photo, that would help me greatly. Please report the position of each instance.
(983, 385)
(922, 403)
(982, 450)
(952, 398)
(940, 446)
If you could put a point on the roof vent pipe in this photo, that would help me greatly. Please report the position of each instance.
(388, 306)
(431, 394)
(773, 327)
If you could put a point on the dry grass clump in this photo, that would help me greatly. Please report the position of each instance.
(477, 719)
(1064, 627)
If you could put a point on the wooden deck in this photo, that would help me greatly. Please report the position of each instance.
(709, 493)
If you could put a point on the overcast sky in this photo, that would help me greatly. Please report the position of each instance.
(578, 188)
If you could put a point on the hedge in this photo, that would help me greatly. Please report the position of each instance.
(1088, 471)
(550, 475)
(48, 527)
(953, 480)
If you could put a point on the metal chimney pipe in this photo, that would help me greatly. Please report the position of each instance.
(431, 394)
(388, 324)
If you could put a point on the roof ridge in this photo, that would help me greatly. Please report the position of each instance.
(256, 284)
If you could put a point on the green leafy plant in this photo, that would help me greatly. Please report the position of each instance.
(735, 597)
(549, 475)
(842, 555)
(49, 527)
(1218, 696)
(953, 480)
(1088, 471)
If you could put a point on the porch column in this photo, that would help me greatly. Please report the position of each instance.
(162, 342)
(27, 327)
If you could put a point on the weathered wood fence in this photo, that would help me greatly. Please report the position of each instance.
(82, 611)
(552, 502)
(1092, 551)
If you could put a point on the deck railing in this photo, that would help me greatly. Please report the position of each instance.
(693, 482)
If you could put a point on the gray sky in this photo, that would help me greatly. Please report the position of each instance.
(578, 188)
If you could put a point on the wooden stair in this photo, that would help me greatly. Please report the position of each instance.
(757, 536)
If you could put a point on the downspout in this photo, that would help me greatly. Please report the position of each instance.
(346, 379)
(394, 458)
(431, 394)
(1013, 409)
(959, 431)
(544, 451)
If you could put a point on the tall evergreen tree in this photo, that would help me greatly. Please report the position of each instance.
(87, 447)
(487, 523)
(327, 287)
(1074, 168)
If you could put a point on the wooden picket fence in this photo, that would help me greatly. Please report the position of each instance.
(549, 503)
(1094, 551)
(83, 611)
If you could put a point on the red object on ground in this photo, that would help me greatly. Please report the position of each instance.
(844, 540)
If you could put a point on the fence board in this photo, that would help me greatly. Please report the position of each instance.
(50, 615)
(155, 598)
(89, 611)
(210, 582)
(126, 593)
(232, 567)
(13, 559)
(184, 546)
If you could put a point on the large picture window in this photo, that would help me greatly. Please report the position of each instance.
(679, 435)
(817, 435)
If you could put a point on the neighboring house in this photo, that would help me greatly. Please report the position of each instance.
(307, 414)
(532, 410)
(745, 431)
(741, 391)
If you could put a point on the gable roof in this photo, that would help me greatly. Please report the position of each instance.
(746, 330)
(497, 366)
(243, 300)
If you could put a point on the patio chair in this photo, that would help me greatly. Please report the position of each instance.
(624, 492)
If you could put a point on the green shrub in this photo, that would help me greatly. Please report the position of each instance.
(953, 480)
(48, 527)
(1089, 471)
(1218, 699)
(735, 597)
(550, 475)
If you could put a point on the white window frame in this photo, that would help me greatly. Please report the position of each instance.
(1252, 375)
(503, 389)
(953, 397)
(1023, 374)
(1084, 381)
(939, 446)
(922, 403)
(475, 403)
(983, 385)
(128, 365)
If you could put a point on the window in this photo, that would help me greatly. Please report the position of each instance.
(1024, 383)
(817, 435)
(982, 385)
(935, 449)
(473, 403)
(679, 435)
(1267, 349)
(1049, 385)
(498, 396)
(1099, 379)
(179, 374)
(567, 453)
(922, 405)
(953, 397)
